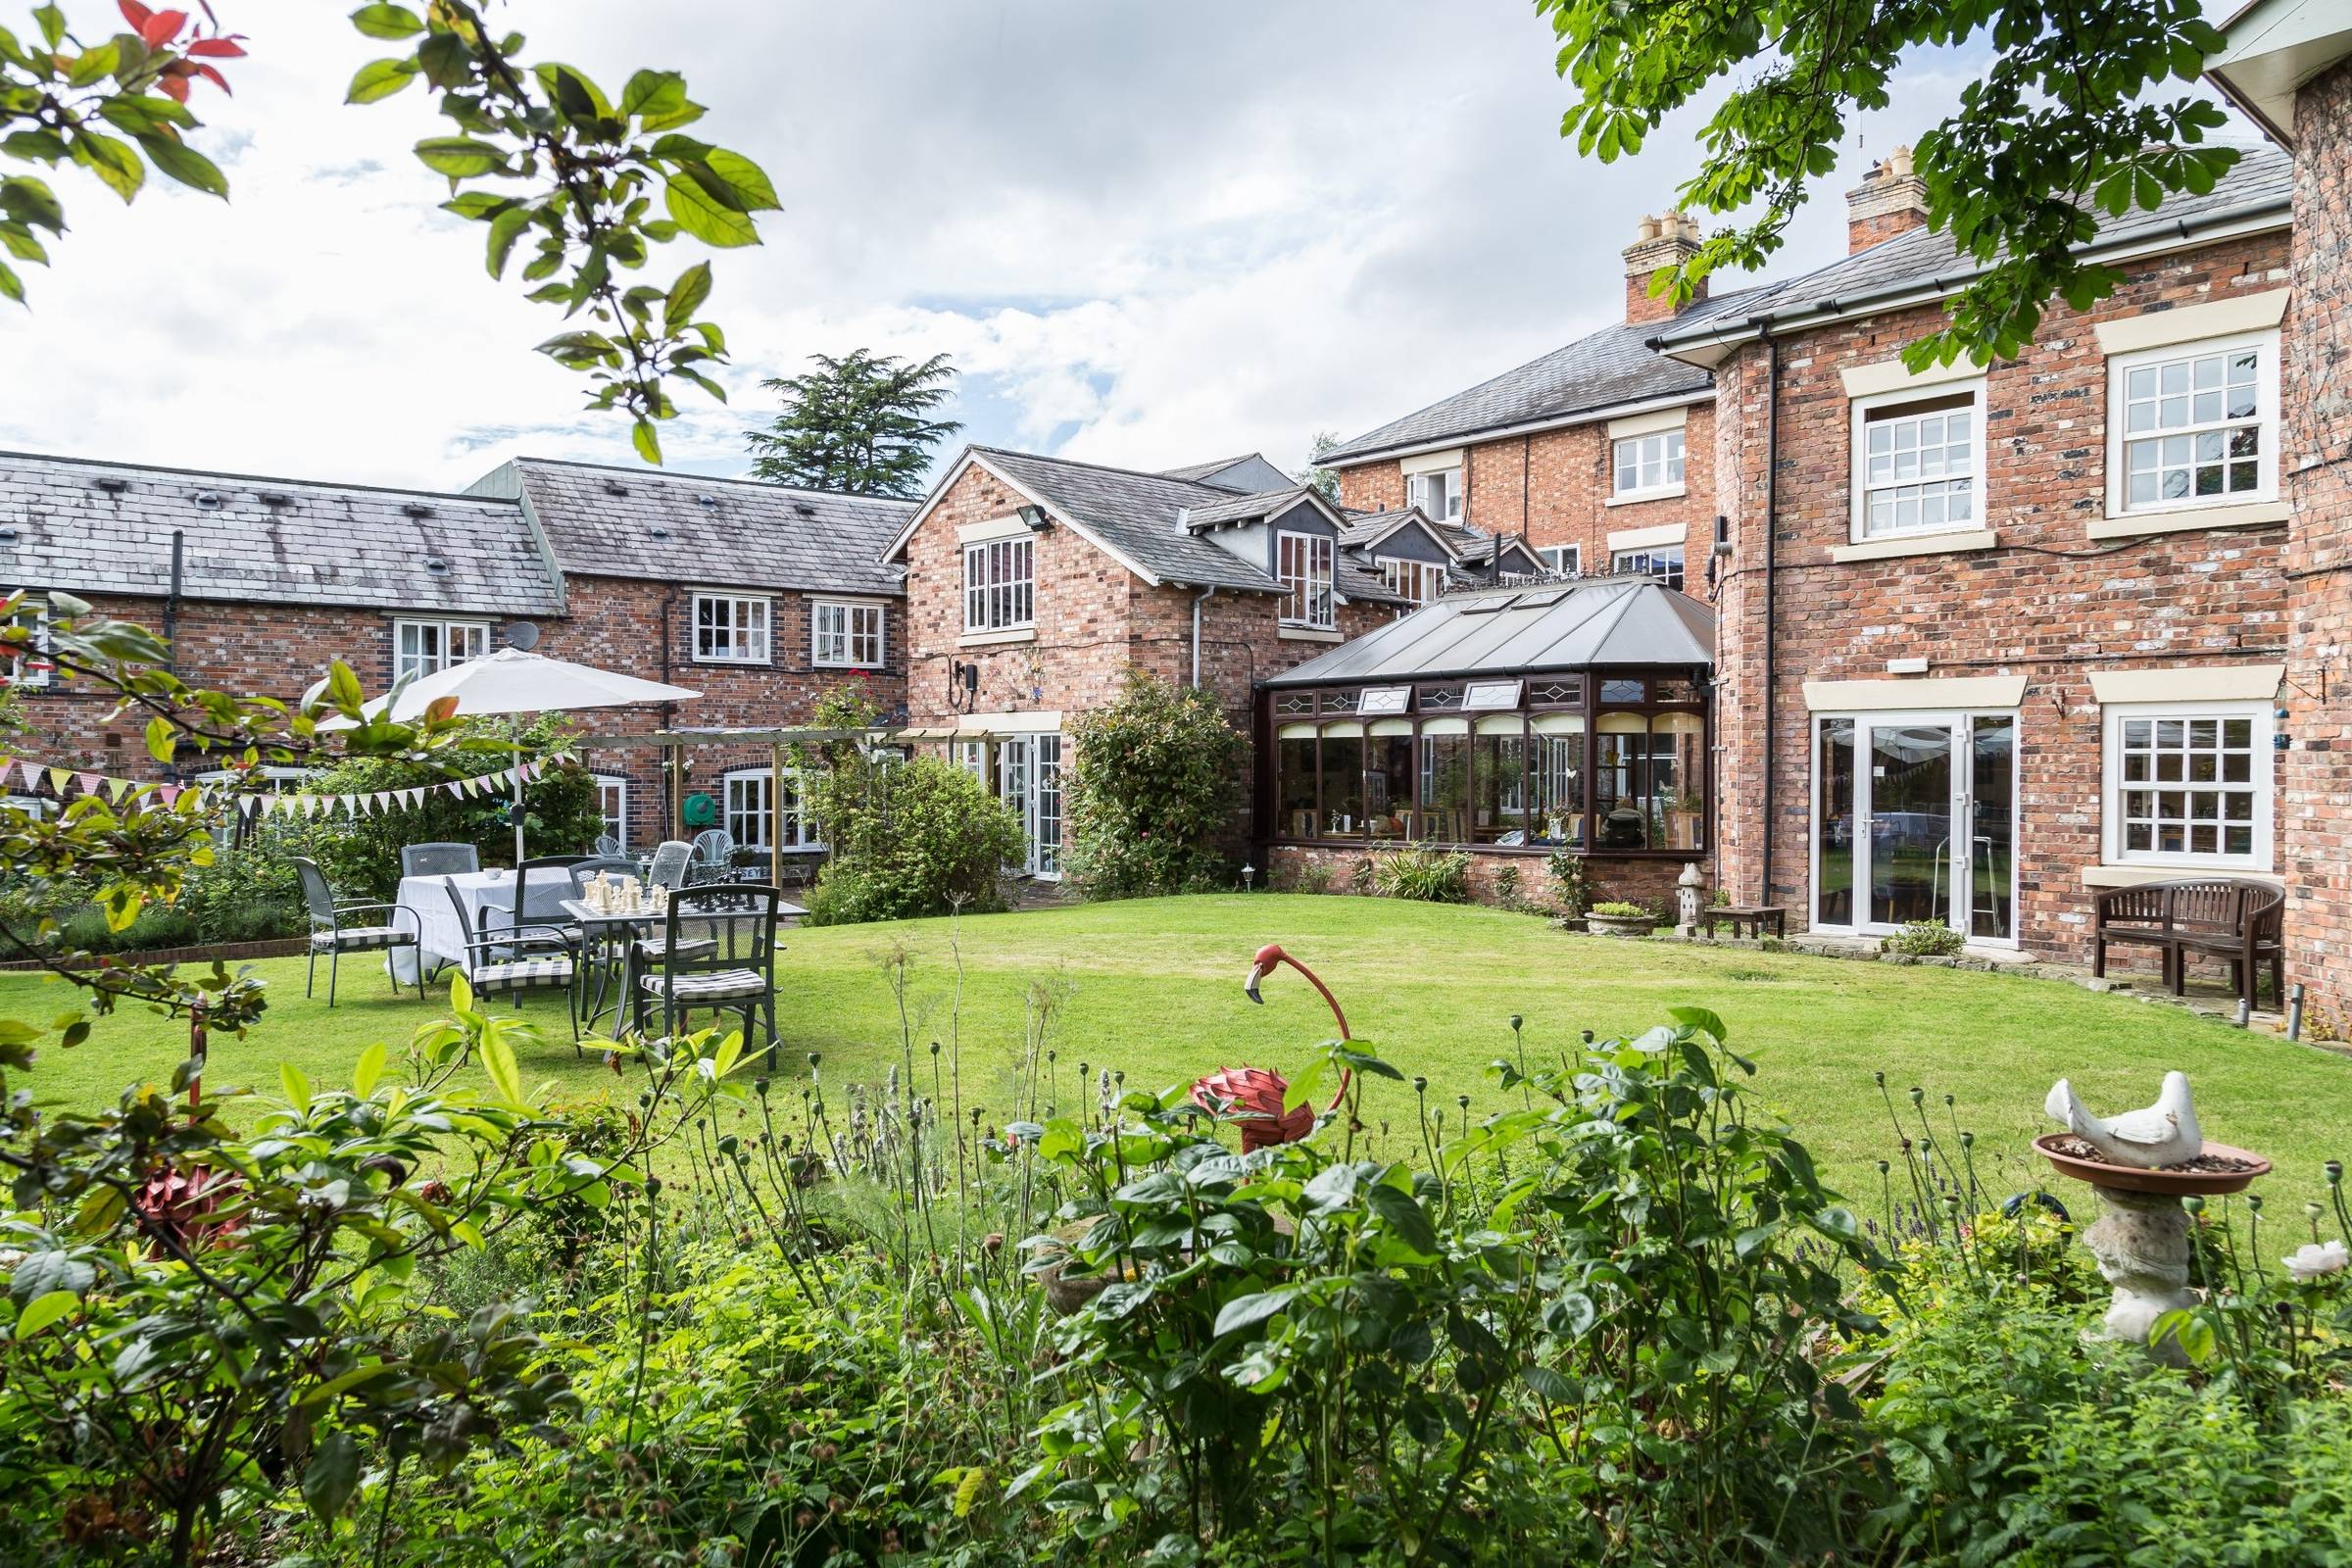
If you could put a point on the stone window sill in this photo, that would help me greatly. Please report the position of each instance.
(2134, 525)
(1309, 634)
(993, 639)
(1634, 498)
(2131, 876)
(1933, 544)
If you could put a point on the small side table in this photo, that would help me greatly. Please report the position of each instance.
(1745, 920)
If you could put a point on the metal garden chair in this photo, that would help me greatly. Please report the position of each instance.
(519, 957)
(330, 936)
(735, 968)
(438, 859)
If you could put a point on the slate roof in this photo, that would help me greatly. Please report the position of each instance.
(1522, 629)
(1135, 514)
(1364, 527)
(106, 527)
(1250, 472)
(2263, 180)
(1604, 369)
(681, 527)
(1247, 507)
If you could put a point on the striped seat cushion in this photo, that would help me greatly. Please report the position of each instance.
(699, 948)
(523, 973)
(353, 937)
(716, 984)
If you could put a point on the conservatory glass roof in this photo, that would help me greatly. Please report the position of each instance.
(1525, 627)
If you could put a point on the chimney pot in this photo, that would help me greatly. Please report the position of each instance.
(1667, 240)
(1892, 200)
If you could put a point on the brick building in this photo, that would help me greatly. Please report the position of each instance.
(758, 597)
(1033, 584)
(1987, 639)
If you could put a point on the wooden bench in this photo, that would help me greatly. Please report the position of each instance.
(1751, 919)
(2241, 923)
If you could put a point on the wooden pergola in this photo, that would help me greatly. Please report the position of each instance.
(676, 741)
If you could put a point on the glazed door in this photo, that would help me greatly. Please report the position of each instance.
(1915, 820)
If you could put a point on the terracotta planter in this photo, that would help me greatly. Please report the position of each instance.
(2166, 1183)
(1621, 925)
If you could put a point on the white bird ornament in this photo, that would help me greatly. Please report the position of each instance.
(2163, 1134)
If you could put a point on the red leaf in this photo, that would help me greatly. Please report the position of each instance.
(135, 14)
(213, 76)
(174, 88)
(162, 27)
(217, 48)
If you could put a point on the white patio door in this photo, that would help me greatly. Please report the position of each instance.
(1915, 819)
(1029, 779)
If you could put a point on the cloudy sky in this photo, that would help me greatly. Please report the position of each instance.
(1147, 234)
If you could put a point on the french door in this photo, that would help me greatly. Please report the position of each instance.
(1029, 779)
(1915, 819)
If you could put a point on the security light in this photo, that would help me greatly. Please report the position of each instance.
(1036, 518)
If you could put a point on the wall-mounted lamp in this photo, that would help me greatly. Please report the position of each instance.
(963, 685)
(1722, 534)
(1036, 520)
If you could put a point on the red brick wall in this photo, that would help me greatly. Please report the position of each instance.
(1094, 619)
(266, 651)
(2049, 603)
(1555, 485)
(2315, 468)
(1649, 882)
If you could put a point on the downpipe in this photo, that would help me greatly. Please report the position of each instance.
(1206, 595)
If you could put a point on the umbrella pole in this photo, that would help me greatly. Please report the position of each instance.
(518, 807)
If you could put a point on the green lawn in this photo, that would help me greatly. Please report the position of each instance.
(1154, 988)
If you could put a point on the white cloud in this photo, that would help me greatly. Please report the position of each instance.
(1148, 236)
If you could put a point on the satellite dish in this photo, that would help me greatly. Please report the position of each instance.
(521, 634)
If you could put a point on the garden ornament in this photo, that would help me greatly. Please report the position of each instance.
(2141, 1163)
(2163, 1134)
(1256, 1089)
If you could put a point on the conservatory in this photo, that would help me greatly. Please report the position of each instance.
(1517, 719)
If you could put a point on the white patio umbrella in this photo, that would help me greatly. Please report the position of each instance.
(513, 681)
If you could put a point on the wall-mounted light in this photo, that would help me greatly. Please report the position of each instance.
(1036, 520)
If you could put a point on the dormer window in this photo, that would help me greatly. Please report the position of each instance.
(1417, 580)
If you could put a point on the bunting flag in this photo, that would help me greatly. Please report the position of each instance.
(60, 782)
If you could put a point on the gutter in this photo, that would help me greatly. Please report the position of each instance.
(1344, 459)
(2178, 236)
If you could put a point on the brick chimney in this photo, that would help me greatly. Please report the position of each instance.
(1668, 240)
(1892, 200)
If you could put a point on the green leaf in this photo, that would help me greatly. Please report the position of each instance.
(498, 1060)
(332, 1475)
(1571, 1314)
(648, 443)
(686, 296)
(750, 184)
(296, 1084)
(370, 1070)
(656, 93)
(461, 994)
(1406, 1219)
(505, 230)
(97, 63)
(379, 80)
(459, 157)
(112, 161)
(186, 164)
(1702, 1020)
(387, 22)
(1247, 1311)
(1304, 1088)
(45, 1310)
(50, 1273)
(704, 217)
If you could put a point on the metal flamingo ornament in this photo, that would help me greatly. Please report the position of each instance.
(1259, 1091)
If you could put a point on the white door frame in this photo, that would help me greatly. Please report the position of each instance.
(1960, 725)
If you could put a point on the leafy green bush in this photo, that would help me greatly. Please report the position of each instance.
(1424, 872)
(1618, 910)
(910, 839)
(1924, 938)
(1571, 882)
(1154, 792)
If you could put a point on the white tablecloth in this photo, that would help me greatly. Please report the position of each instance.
(441, 938)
